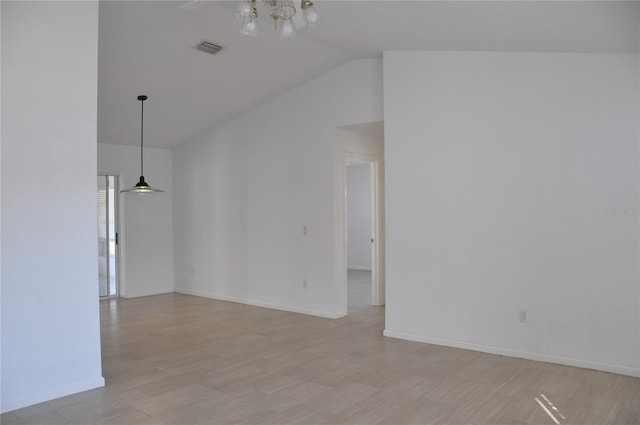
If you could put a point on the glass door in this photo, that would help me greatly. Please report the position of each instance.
(108, 236)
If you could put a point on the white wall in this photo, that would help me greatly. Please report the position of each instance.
(512, 183)
(1, 132)
(146, 225)
(248, 188)
(50, 318)
(359, 216)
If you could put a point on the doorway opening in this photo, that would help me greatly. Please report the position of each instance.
(360, 145)
(365, 284)
(108, 252)
(359, 232)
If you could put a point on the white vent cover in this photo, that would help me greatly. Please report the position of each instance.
(208, 47)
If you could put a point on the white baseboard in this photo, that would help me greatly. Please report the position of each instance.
(605, 367)
(47, 395)
(146, 294)
(362, 268)
(310, 312)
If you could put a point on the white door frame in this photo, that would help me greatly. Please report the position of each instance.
(377, 224)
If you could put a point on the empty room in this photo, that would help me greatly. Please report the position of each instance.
(327, 212)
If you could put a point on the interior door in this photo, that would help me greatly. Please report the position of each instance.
(108, 236)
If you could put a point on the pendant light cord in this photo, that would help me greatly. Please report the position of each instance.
(141, 139)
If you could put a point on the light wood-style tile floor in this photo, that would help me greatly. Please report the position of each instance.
(359, 294)
(179, 359)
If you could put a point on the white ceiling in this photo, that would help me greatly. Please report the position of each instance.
(146, 47)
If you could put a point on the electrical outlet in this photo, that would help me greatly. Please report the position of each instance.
(523, 316)
(304, 284)
(304, 230)
(192, 271)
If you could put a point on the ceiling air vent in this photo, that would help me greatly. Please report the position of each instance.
(207, 47)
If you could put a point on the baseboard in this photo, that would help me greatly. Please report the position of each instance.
(58, 392)
(145, 294)
(310, 312)
(360, 268)
(605, 367)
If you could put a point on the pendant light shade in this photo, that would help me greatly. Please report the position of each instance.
(142, 186)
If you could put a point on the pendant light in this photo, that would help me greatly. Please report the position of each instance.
(142, 186)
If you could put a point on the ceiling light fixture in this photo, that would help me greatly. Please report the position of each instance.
(142, 186)
(281, 11)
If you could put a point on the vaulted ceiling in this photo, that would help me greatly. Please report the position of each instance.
(146, 47)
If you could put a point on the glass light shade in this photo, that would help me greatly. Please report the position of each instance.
(283, 9)
(142, 187)
(243, 11)
(245, 8)
(311, 16)
(250, 26)
(287, 28)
